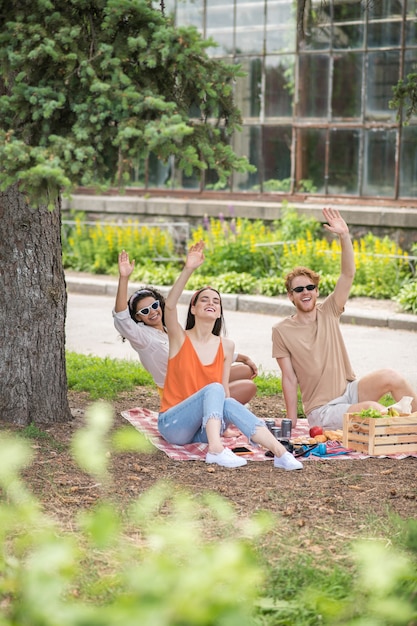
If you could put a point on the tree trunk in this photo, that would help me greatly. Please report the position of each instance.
(33, 380)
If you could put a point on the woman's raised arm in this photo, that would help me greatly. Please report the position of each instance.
(195, 258)
(125, 269)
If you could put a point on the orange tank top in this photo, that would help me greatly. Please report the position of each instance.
(186, 374)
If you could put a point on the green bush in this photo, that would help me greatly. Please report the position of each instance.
(297, 226)
(242, 255)
(327, 284)
(407, 296)
(235, 282)
(151, 273)
(271, 286)
(95, 247)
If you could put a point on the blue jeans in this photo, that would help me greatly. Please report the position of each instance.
(185, 422)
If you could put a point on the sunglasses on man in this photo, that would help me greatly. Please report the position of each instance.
(301, 289)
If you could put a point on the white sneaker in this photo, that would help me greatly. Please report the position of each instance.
(288, 462)
(227, 458)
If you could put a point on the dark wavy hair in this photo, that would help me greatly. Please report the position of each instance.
(219, 324)
(136, 297)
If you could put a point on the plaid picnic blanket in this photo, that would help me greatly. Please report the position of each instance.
(146, 422)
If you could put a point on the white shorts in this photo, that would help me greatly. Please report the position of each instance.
(330, 415)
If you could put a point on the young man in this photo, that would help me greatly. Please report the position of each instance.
(311, 352)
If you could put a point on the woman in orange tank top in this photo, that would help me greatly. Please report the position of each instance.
(196, 404)
(140, 320)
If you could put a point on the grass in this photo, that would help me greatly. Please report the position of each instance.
(293, 589)
(104, 378)
(33, 432)
(37, 434)
(268, 384)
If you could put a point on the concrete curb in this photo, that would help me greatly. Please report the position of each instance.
(278, 305)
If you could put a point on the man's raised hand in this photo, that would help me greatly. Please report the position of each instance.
(335, 222)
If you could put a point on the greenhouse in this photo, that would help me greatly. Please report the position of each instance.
(315, 99)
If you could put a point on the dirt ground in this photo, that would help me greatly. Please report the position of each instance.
(328, 498)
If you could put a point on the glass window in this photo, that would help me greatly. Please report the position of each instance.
(352, 11)
(408, 162)
(310, 158)
(219, 20)
(250, 40)
(348, 24)
(412, 8)
(190, 13)
(280, 26)
(279, 85)
(250, 12)
(314, 30)
(248, 88)
(383, 68)
(191, 181)
(379, 163)
(276, 153)
(410, 67)
(410, 62)
(346, 94)
(385, 9)
(411, 33)
(153, 172)
(159, 173)
(138, 171)
(248, 143)
(348, 35)
(307, 58)
(250, 26)
(224, 40)
(343, 162)
(384, 33)
(313, 85)
(280, 39)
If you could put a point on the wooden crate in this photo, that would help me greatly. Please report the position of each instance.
(380, 436)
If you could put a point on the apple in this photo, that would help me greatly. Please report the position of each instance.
(316, 430)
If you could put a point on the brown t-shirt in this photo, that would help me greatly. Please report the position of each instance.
(318, 354)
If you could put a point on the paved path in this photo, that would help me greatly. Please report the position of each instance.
(90, 330)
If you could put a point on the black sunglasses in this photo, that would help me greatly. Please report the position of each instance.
(147, 309)
(307, 287)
